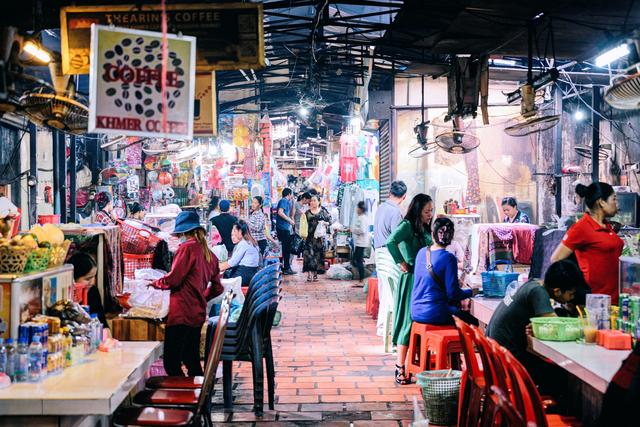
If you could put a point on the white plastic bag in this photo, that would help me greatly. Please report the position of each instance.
(149, 274)
(338, 272)
(220, 251)
(321, 230)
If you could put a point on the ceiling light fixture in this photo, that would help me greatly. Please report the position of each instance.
(245, 75)
(303, 112)
(578, 115)
(612, 55)
(253, 73)
(504, 62)
(33, 49)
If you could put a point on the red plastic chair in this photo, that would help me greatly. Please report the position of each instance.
(373, 298)
(197, 402)
(527, 399)
(472, 388)
(502, 412)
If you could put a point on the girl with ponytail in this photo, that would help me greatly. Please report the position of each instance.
(194, 268)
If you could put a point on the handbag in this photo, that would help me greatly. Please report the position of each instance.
(304, 226)
(297, 244)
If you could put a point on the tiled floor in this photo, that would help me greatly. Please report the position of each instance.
(331, 368)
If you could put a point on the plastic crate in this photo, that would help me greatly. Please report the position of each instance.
(495, 282)
(137, 241)
(133, 262)
(556, 328)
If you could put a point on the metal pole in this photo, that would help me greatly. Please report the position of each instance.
(56, 177)
(72, 179)
(595, 133)
(557, 152)
(62, 177)
(33, 171)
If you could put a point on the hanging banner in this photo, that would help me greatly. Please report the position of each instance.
(230, 35)
(125, 83)
(204, 118)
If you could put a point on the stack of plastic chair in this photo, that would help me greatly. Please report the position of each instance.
(249, 339)
(502, 412)
(183, 407)
(472, 388)
(388, 278)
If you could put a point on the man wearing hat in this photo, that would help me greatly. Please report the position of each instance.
(224, 223)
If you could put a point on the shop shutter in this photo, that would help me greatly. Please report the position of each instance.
(385, 160)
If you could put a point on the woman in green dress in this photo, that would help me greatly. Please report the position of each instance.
(412, 234)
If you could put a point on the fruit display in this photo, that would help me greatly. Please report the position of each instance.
(42, 247)
(48, 234)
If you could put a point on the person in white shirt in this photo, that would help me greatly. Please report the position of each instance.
(360, 231)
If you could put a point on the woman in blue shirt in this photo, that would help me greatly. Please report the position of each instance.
(436, 294)
(245, 257)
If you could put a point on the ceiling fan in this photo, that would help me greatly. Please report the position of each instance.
(454, 134)
(423, 146)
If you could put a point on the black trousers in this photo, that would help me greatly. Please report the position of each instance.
(182, 345)
(285, 239)
(262, 244)
(358, 261)
(246, 273)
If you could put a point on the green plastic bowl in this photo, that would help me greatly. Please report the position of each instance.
(556, 328)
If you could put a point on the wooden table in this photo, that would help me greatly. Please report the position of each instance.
(85, 394)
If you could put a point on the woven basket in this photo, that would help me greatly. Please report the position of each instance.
(440, 392)
(59, 254)
(12, 260)
(38, 260)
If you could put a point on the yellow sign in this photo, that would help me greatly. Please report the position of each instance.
(205, 116)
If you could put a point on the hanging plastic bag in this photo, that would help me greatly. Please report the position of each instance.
(304, 226)
(321, 230)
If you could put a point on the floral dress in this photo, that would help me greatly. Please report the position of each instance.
(314, 248)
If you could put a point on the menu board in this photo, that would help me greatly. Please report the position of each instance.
(230, 35)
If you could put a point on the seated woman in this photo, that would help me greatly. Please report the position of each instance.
(436, 292)
(512, 214)
(84, 273)
(245, 257)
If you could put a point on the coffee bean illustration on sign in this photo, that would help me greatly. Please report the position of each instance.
(132, 83)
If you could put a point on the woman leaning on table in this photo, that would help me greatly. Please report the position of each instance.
(595, 242)
(411, 235)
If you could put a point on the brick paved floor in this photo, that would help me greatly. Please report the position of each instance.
(331, 368)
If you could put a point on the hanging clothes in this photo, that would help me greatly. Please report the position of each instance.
(348, 197)
(348, 159)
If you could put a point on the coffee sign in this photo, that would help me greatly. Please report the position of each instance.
(230, 35)
(126, 83)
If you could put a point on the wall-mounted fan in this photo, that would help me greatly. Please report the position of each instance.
(455, 134)
(423, 146)
(62, 109)
(586, 150)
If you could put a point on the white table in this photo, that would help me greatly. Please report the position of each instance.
(482, 308)
(94, 388)
(593, 364)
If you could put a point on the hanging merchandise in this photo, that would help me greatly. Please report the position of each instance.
(241, 134)
(133, 186)
(348, 159)
(266, 137)
(348, 197)
(165, 178)
(133, 154)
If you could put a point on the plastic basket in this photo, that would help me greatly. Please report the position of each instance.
(59, 254)
(494, 282)
(137, 241)
(48, 219)
(133, 262)
(13, 260)
(556, 328)
(38, 260)
(440, 392)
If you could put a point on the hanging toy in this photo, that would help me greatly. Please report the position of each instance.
(152, 176)
(165, 178)
(168, 193)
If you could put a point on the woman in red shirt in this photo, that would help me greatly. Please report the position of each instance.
(594, 241)
(194, 267)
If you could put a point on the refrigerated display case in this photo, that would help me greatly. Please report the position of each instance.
(627, 209)
(630, 275)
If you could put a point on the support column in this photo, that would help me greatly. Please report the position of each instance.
(72, 179)
(60, 175)
(595, 129)
(33, 171)
(557, 151)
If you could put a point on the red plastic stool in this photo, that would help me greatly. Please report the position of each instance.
(373, 299)
(441, 345)
(421, 349)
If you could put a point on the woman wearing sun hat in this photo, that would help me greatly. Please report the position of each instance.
(193, 268)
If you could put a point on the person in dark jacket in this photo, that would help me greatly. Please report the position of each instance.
(436, 294)
(224, 223)
(194, 267)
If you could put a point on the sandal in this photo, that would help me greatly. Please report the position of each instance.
(315, 277)
(401, 376)
(309, 278)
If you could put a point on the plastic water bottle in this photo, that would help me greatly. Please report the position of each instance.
(35, 359)
(3, 356)
(93, 337)
(22, 361)
(11, 359)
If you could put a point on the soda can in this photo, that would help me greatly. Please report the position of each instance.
(624, 308)
(24, 332)
(634, 308)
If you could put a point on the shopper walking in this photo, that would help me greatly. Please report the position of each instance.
(412, 234)
(258, 225)
(387, 218)
(360, 231)
(194, 266)
(318, 218)
(245, 258)
(299, 208)
(104, 209)
(224, 224)
(283, 228)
